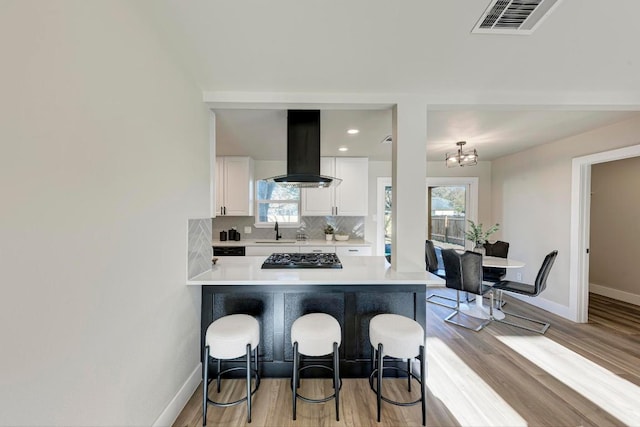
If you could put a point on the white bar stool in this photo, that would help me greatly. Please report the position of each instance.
(227, 338)
(398, 337)
(316, 334)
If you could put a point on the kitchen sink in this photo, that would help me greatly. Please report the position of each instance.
(274, 241)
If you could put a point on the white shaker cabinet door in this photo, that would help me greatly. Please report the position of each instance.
(320, 201)
(352, 195)
(234, 186)
(349, 198)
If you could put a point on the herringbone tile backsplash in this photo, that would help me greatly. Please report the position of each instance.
(313, 227)
(199, 247)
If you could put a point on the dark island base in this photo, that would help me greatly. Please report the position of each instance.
(277, 307)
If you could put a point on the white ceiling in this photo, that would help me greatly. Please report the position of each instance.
(262, 134)
(578, 70)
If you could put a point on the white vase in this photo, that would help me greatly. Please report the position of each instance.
(329, 237)
(479, 249)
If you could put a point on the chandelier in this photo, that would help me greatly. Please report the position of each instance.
(462, 158)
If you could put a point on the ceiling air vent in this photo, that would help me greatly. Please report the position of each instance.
(514, 16)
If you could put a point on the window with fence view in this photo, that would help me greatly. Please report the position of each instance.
(446, 219)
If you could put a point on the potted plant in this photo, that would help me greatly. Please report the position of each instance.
(477, 236)
(328, 232)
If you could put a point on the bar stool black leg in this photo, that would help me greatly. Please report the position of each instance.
(409, 375)
(256, 361)
(205, 384)
(336, 378)
(423, 377)
(248, 383)
(294, 380)
(218, 377)
(373, 358)
(380, 368)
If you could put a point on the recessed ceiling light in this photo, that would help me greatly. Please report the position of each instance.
(343, 149)
(353, 131)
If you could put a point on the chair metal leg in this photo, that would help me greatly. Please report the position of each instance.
(205, 384)
(457, 312)
(544, 325)
(431, 298)
(541, 331)
(409, 375)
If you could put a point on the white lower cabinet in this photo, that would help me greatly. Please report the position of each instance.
(329, 249)
(353, 250)
(268, 250)
(321, 249)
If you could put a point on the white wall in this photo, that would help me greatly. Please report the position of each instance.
(103, 157)
(531, 196)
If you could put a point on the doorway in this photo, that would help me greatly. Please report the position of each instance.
(580, 225)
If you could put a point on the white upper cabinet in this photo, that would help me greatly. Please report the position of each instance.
(350, 198)
(234, 186)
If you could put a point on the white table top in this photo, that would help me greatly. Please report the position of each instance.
(357, 270)
(492, 261)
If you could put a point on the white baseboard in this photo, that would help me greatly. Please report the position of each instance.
(615, 294)
(177, 404)
(550, 306)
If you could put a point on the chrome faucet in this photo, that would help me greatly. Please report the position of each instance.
(278, 236)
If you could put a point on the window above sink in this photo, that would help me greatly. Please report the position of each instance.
(276, 203)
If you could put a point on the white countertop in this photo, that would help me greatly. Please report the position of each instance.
(289, 242)
(357, 270)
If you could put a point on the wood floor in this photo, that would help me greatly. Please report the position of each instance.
(574, 375)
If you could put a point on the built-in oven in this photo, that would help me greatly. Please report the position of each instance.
(228, 251)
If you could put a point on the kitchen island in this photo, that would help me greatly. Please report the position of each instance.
(364, 287)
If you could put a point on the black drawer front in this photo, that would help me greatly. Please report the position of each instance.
(228, 251)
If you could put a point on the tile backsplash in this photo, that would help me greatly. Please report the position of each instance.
(313, 227)
(199, 247)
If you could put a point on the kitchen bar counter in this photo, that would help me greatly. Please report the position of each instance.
(364, 287)
(362, 270)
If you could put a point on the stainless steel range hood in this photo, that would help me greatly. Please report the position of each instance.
(303, 152)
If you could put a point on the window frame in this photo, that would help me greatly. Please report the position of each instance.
(268, 224)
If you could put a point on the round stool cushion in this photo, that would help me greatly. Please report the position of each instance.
(315, 334)
(400, 336)
(228, 336)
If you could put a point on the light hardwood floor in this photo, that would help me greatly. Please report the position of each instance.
(574, 375)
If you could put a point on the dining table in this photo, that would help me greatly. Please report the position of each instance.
(478, 309)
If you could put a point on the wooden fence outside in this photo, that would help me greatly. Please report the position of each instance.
(448, 229)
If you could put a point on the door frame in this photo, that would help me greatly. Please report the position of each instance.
(580, 224)
(471, 182)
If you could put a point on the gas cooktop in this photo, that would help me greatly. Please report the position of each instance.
(302, 260)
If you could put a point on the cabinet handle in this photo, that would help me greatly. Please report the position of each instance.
(317, 250)
(353, 250)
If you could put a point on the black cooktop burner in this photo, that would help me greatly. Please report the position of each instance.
(302, 260)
